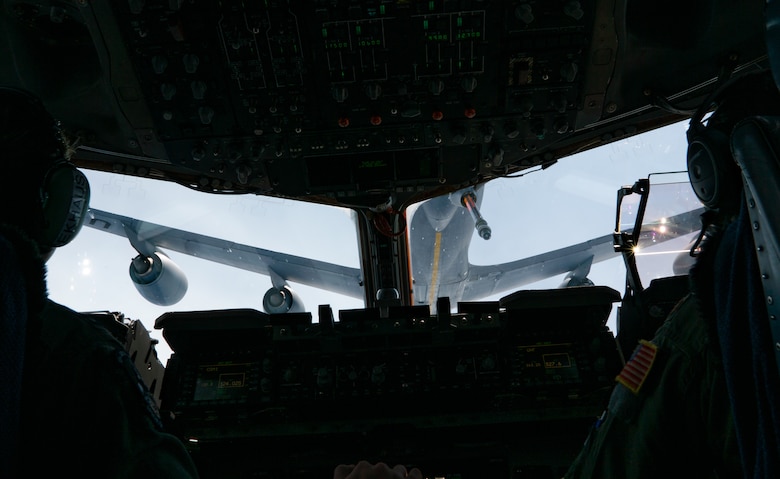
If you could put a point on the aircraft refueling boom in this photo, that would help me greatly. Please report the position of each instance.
(469, 200)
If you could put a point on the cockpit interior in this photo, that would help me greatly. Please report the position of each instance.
(376, 106)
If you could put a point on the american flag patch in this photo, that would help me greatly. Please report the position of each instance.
(638, 367)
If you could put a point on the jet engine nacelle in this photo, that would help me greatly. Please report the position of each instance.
(158, 279)
(282, 300)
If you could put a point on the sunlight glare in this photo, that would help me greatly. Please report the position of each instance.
(86, 267)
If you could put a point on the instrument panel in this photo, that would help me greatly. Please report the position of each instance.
(364, 103)
(538, 363)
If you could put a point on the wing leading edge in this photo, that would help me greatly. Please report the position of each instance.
(485, 280)
(145, 236)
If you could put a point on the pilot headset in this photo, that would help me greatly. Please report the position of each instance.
(63, 194)
(65, 201)
(714, 176)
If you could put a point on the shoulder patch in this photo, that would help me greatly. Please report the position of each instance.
(638, 366)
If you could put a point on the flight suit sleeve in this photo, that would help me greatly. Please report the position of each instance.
(150, 452)
(669, 413)
(88, 412)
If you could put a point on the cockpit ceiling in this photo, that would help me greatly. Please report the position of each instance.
(364, 103)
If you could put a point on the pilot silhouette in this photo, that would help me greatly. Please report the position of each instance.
(71, 401)
(700, 398)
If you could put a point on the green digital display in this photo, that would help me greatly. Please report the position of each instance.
(219, 382)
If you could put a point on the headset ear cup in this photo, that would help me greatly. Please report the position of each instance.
(65, 203)
(713, 174)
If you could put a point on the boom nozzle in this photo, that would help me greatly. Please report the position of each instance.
(469, 200)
